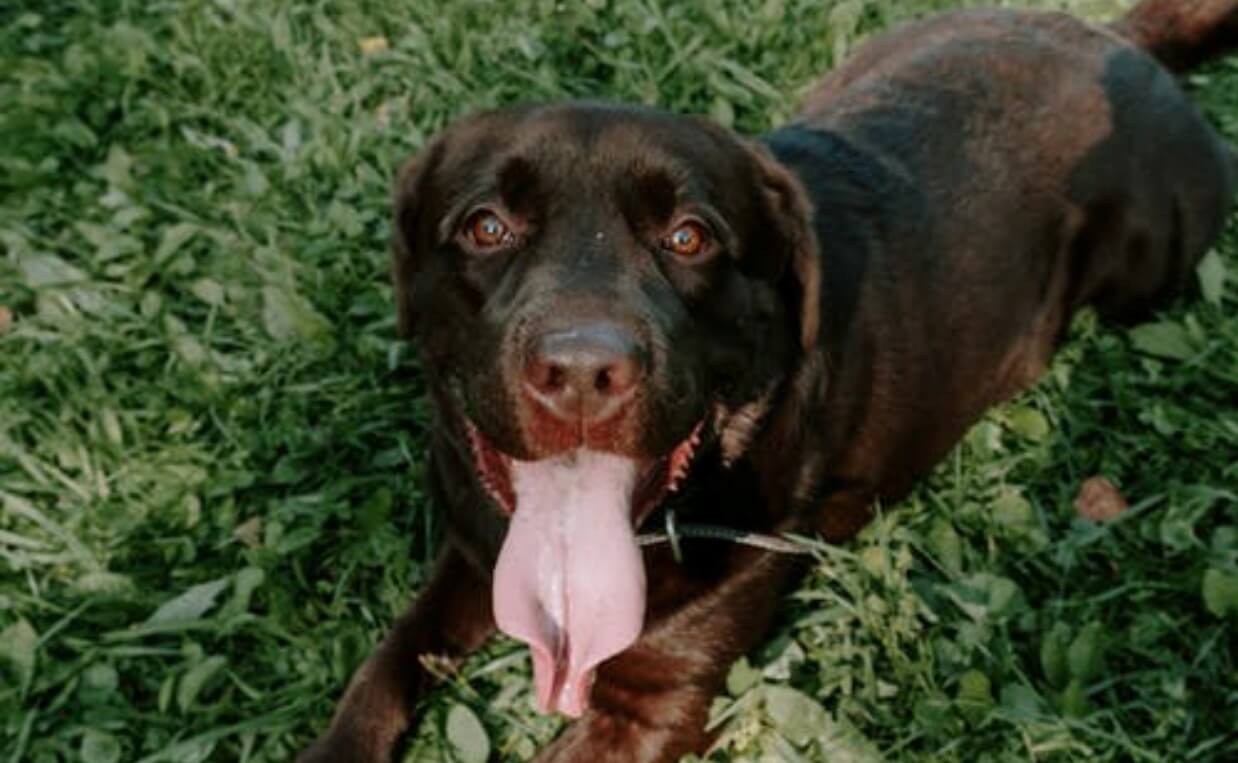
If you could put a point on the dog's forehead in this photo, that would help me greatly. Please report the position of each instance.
(584, 144)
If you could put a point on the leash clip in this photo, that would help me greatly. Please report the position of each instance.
(672, 535)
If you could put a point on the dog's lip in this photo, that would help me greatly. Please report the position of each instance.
(659, 476)
(615, 406)
(493, 468)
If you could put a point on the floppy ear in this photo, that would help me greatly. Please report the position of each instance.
(407, 233)
(789, 222)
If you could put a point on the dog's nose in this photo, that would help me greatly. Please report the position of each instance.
(585, 372)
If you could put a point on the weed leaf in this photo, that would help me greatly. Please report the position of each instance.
(797, 716)
(1220, 592)
(196, 679)
(1212, 276)
(18, 643)
(468, 738)
(1165, 339)
(99, 747)
(190, 605)
(289, 316)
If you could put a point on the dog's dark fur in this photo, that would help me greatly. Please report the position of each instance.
(903, 255)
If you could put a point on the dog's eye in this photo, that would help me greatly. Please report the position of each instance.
(689, 240)
(485, 230)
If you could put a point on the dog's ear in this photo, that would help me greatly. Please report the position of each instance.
(788, 226)
(408, 237)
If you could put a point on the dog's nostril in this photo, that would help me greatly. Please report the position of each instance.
(602, 382)
(546, 377)
(617, 377)
(555, 377)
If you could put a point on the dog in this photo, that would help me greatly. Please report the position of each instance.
(621, 311)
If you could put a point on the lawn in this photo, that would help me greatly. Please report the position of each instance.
(211, 441)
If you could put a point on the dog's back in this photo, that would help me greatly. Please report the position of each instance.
(1024, 105)
(1014, 167)
(1182, 34)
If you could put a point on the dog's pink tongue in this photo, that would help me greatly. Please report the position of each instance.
(570, 581)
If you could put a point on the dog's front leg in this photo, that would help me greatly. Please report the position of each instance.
(650, 704)
(451, 617)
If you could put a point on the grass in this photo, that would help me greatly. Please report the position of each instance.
(211, 441)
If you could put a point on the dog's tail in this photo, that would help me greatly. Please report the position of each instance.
(1182, 34)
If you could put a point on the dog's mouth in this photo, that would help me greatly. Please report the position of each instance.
(657, 477)
(570, 579)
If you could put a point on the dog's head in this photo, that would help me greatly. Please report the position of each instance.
(595, 288)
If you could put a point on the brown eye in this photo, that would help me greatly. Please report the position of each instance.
(486, 230)
(688, 240)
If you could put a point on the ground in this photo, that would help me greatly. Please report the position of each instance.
(211, 442)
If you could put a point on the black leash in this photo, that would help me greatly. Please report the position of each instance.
(674, 531)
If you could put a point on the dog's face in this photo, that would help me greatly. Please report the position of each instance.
(594, 289)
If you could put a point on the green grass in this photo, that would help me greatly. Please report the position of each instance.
(211, 503)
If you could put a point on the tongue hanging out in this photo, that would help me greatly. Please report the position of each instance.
(570, 581)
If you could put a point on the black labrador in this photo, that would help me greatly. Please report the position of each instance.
(621, 310)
